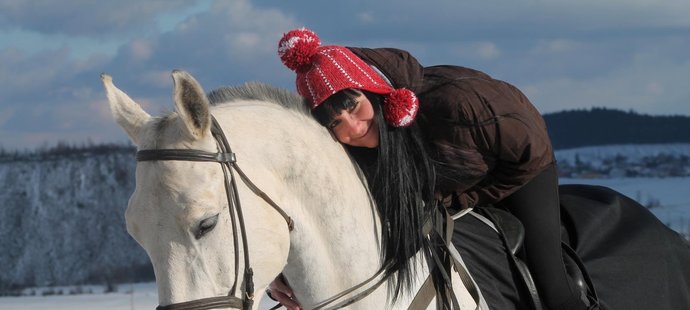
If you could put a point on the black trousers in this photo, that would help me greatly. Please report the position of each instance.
(537, 206)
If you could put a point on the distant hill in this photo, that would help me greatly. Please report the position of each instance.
(602, 126)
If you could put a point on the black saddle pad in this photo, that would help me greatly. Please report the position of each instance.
(634, 260)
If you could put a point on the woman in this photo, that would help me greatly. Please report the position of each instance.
(423, 133)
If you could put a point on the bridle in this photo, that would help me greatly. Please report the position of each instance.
(228, 162)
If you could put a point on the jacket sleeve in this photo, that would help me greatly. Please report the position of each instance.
(515, 141)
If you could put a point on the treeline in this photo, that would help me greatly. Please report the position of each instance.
(63, 217)
(602, 126)
(64, 149)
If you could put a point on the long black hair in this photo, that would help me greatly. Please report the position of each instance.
(401, 178)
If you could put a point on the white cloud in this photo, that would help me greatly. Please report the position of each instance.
(654, 88)
(584, 14)
(646, 88)
(243, 47)
(156, 78)
(557, 46)
(23, 74)
(365, 17)
(480, 50)
(487, 50)
(629, 54)
(86, 17)
(140, 50)
(5, 114)
(251, 31)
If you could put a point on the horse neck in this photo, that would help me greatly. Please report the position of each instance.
(337, 228)
(335, 243)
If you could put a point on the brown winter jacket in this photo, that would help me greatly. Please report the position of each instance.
(471, 110)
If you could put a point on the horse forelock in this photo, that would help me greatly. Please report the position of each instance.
(162, 131)
(253, 91)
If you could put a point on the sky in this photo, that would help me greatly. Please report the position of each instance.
(565, 55)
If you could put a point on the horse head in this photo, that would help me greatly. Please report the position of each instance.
(179, 212)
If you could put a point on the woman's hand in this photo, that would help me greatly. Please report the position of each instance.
(282, 292)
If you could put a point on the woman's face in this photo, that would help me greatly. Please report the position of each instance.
(356, 125)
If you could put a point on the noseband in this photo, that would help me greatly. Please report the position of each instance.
(228, 162)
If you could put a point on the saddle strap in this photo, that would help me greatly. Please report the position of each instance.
(451, 260)
(519, 264)
(465, 277)
(458, 264)
(590, 292)
(424, 296)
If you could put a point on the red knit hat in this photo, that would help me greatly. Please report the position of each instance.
(325, 70)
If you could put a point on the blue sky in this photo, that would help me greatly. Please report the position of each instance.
(624, 54)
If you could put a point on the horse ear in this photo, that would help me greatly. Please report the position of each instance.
(191, 104)
(127, 113)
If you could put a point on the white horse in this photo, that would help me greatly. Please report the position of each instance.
(180, 215)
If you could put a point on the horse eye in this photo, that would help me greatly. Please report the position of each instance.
(205, 226)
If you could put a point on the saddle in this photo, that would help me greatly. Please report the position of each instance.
(512, 233)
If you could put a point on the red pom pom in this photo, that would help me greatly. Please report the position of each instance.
(297, 47)
(400, 107)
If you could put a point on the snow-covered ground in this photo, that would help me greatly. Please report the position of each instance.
(139, 296)
(128, 297)
(634, 152)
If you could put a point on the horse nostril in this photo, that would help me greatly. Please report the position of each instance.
(205, 226)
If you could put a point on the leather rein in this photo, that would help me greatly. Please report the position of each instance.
(228, 162)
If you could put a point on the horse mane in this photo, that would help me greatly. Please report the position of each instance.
(261, 92)
(396, 267)
(249, 91)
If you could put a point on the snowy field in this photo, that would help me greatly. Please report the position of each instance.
(672, 194)
(633, 152)
(128, 297)
(140, 296)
